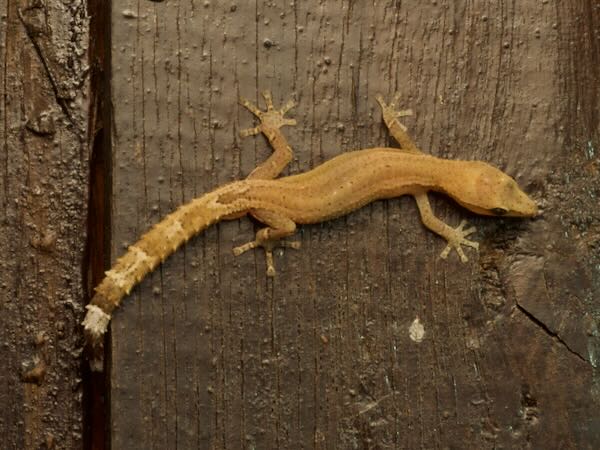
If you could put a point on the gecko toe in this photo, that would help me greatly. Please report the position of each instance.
(237, 251)
(471, 244)
(469, 231)
(250, 107)
(288, 105)
(404, 112)
(461, 254)
(268, 99)
(446, 252)
(270, 263)
(250, 131)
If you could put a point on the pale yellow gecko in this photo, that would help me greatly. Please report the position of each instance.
(332, 189)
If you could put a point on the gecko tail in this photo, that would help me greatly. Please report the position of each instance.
(145, 255)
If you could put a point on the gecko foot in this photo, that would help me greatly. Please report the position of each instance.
(458, 238)
(268, 246)
(271, 119)
(390, 113)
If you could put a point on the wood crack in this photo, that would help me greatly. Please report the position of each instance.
(60, 98)
(554, 335)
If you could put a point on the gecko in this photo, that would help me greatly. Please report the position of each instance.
(336, 187)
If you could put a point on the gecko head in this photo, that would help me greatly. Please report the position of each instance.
(489, 191)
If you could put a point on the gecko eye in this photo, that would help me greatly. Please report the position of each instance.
(499, 211)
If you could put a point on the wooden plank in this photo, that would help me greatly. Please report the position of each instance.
(210, 353)
(43, 195)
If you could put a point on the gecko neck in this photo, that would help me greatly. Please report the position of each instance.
(430, 172)
(444, 173)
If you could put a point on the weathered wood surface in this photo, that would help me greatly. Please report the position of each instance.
(43, 197)
(210, 353)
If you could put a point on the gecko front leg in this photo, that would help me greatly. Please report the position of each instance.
(397, 129)
(454, 236)
(271, 121)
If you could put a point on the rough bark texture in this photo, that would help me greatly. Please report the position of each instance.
(43, 195)
(210, 353)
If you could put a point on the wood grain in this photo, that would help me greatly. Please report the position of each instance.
(210, 353)
(43, 202)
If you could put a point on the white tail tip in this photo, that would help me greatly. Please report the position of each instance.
(95, 322)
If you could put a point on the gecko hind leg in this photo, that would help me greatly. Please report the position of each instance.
(269, 238)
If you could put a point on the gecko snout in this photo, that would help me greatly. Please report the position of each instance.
(523, 206)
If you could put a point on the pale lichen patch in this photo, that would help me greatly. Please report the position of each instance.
(416, 331)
